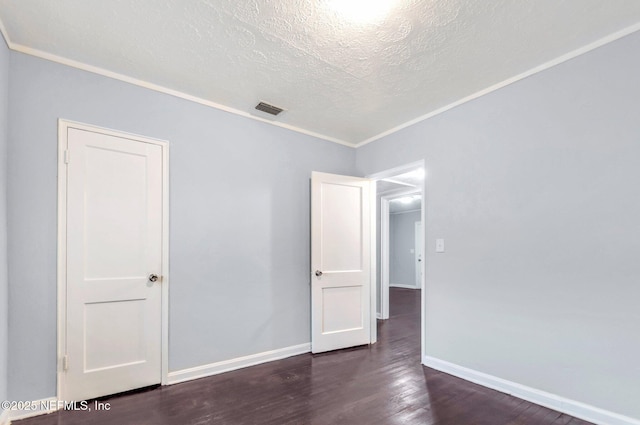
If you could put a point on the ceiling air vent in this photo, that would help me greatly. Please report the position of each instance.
(269, 109)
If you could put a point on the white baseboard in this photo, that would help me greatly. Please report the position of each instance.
(49, 405)
(4, 418)
(570, 407)
(40, 407)
(379, 316)
(400, 285)
(237, 363)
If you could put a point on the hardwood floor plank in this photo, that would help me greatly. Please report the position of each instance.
(382, 384)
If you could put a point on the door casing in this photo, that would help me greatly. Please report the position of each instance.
(384, 210)
(63, 126)
(419, 255)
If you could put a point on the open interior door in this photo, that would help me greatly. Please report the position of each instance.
(340, 262)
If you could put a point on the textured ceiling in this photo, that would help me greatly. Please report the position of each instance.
(347, 80)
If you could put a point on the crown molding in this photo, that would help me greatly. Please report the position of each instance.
(550, 64)
(176, 93)
(5, 35)
(158, 88)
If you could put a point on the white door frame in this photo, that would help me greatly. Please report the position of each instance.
(419, 255)
(63, 126)
(373, 285)
(387, 174)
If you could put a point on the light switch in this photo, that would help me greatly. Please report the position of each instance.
(439, 245)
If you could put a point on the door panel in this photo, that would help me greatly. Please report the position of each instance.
(115, 187)
(340, 250)
(341, 229)
(102, 335)
(342, 309)
(114, 242)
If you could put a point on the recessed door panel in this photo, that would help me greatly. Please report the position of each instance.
(342, 309)
(115, 198)
(114, 334)
(341, 227)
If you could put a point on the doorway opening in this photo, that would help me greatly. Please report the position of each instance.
(400, 244)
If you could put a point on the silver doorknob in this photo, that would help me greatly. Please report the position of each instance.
(153, 277)
(318, 273)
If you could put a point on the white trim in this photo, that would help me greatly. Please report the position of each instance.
(418, 238)
(373, 287)
(4, 418)
(403, 286)
(63, 126)
(395, 171)
(394, 191)
(62, 258)
(423, 264)
(552, 401)
(423, 218)
(378, 316)
(237, 363)
(392, 180)
(171, 92)
(16, 415)
(5, 35)
(384, 258)
(405, 212)
(164, 360)
(550, 64)
(110, 74)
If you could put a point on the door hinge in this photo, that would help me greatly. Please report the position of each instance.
(65, 363)
(66, 157)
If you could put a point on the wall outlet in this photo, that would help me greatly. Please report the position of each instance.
(439, 245)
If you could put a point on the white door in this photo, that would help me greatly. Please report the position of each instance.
(340, 262)
(418, 252)
(114, 246)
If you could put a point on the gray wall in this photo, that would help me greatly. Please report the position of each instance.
(535, 189)
(239, 219)
(4, 102)
(402, 227)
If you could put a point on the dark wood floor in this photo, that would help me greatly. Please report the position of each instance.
(382, 384)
